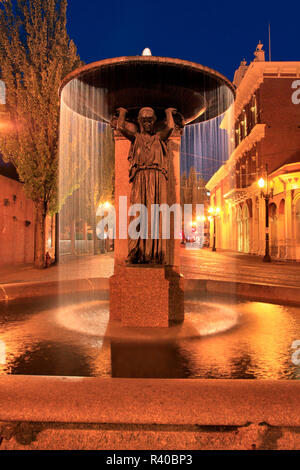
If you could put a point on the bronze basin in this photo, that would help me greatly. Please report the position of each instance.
(197, 92)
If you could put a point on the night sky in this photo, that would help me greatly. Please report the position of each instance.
(216, 34)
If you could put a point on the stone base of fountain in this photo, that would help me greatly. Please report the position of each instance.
(146, 296)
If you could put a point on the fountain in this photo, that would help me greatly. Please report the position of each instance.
(148, 101)
(78, 400)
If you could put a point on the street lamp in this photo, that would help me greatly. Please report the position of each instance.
(201, 218)
(214, 212)
(266, 194)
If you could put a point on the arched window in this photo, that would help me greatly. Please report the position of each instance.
(281, 229)
(246, 228)
(297, 222)
(239, 224)
(2, 92)
(282, 207)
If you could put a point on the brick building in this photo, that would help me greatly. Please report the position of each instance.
(266, 138)
(17, 221)
(17, 212)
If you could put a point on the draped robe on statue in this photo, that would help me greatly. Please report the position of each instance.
(148, 158)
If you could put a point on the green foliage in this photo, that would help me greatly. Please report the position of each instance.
(35, 55)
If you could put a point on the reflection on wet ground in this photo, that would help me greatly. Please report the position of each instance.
(221, 338)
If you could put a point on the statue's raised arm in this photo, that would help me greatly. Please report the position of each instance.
(169, 127)
(121, 125)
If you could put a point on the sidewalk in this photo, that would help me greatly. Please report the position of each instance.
(83, 267)
(195, 264)
(238, 267)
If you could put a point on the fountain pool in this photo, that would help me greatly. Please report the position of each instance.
(220, 338)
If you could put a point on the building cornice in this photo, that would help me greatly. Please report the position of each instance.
(217, 177)
(255, 75)
(286, 170)
(238, 195)
(257, 133)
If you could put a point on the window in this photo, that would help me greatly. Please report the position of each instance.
(254, 111)
(297, 222)
(2, 92)
(238, 136)
(244, 125)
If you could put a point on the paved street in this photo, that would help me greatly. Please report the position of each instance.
(225, 265)
(196, 264)
(79, 268)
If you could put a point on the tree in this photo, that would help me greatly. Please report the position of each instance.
(35, 55)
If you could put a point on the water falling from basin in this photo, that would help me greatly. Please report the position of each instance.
(93, 171)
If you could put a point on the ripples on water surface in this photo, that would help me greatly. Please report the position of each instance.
(220, 338)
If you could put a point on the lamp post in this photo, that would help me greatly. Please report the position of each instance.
(214, 212)
(266, 194)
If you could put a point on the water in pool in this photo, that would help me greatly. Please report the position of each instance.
(220, 338)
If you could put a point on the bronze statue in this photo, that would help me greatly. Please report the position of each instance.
(148, 174)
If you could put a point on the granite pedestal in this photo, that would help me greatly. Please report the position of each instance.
(146, 296)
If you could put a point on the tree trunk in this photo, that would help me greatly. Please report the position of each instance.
(95, 238)
(73, 237)
(40, 235)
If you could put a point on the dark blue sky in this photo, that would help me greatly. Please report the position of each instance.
(217, 34)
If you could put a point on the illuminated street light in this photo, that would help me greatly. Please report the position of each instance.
(214, 213)
(266, 194)
(261, 183)
(106, 205)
